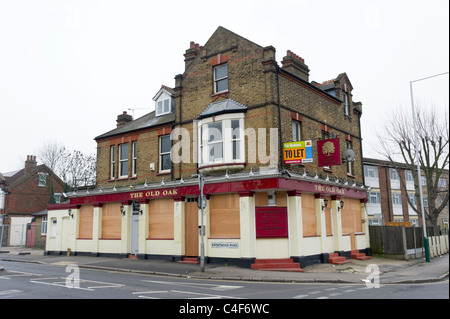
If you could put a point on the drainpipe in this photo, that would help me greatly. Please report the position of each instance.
(279, 120)
(361, 147)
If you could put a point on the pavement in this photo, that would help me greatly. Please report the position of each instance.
(391, 271)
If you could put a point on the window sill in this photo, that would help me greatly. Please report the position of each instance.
(220, 93)
(215, 96)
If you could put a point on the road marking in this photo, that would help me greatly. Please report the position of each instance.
(175, 293)
(91, 284)
(300, 296)
(206, 296)
(18, 274)
(63, 263)
(10, 292)
(150, 292)
(197, 285)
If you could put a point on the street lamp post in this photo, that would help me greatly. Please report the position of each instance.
(202, 205)
(422, 209)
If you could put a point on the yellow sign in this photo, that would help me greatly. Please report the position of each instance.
(297, 152)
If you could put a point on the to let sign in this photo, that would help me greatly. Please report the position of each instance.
(297, 152)
(271, 222)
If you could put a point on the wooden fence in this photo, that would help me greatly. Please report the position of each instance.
(406, 242)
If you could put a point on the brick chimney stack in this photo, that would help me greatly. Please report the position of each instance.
(123, 119)
(30, 163)
(295, 65)
(192, 52)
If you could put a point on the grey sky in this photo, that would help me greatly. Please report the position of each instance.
(68, 68)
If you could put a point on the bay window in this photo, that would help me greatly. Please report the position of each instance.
(221, 139)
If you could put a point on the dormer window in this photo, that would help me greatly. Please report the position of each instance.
(163, 107)
(164, 102)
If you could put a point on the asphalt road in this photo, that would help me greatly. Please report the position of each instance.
(62, 281)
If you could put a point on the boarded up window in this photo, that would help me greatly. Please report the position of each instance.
(309, 215)
(351, 216)
(161, 219)
(111, 221)
(225, 216)
(86, 222)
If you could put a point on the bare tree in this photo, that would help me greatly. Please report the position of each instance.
(50, 154)
(73, 167)
(398, 144)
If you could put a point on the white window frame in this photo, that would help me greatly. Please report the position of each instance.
(161, 154)
(236, 138)
(217, 80)
(44, 226)
(374, 198)
(112, 157)
(57, 197)
(163, 103)
(42, 179)
(345, 101)
(296, 131)
(423, 180)
(371, 171)
(348, 145)
(163, 107)
(123, 160)
(396, 199)
(412, 198)
(134, 158)
(409, 176)
(393, 173)
(226, 139)
(442, 182)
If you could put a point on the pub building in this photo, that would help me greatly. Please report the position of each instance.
(280, 156)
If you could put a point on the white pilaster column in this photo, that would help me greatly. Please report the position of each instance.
(320, 222)
(295, 223)
(143, 226)
(247, 225)
(365, 223)
(337, 222)
(179, 226)
(126, 227)
(97, 228)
